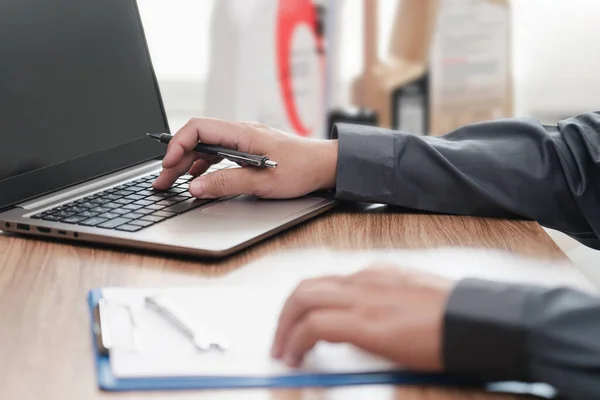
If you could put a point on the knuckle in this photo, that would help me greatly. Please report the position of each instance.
(255, 124)
(311, 324)
(302, 298)
(219, 182)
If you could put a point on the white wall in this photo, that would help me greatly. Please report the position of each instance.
(556, 62)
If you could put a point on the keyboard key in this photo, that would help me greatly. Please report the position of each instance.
(154, 207)
(132, 207)
(123, 201)
(134, 197)
(124, 193)
(52, 218)
(141, 222)
(165, 214)
(145, 211)
(87, 204)
(73, 220)
(87, 214)
(41, 215)
(143, 202)
(178, 198)
(164, 194)
(186, 205)
(129, 228)
(187, 195)
(146, 192)
(136, 188)
(93, 221)
(109, 215)
(120, 211)
(63, 214)
(111, 197)
(100, 209)
(134, 215)
(113, 223)
(154, 198)
(77, 209)
(112, 205)
(152, 218)
(98, 201)
(185, 186)
(166, 203)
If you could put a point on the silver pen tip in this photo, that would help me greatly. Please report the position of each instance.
(154, 135)
(270, 164)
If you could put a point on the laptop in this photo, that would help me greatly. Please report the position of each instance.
(77, 96)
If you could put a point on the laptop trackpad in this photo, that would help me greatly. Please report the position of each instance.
(249, 207)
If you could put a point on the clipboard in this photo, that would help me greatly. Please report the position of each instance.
(108, 381)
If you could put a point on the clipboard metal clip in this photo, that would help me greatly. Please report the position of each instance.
(100, 328)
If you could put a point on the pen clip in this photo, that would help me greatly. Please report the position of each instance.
(251, 161)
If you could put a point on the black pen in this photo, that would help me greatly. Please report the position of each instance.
(218, 151)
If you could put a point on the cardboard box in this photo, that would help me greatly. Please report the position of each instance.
(449, 64)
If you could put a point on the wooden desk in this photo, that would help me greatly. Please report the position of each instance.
(45, 344)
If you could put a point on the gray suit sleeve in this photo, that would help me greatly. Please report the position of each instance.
(514, 168)
(502, 332)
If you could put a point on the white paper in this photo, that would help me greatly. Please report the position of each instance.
(243, 308)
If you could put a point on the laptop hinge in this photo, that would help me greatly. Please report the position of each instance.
(88, 188)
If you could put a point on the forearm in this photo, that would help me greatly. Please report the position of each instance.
(503, 332)
(508, 168)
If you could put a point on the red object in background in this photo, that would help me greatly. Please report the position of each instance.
(290, 15)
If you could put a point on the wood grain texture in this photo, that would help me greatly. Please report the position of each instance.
(45, 343)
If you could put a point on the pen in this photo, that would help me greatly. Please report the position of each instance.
(232, 155)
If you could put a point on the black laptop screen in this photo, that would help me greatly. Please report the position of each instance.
(76, 82)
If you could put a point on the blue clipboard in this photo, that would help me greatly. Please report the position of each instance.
(109, 382)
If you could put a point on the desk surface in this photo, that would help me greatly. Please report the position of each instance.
(45, 344)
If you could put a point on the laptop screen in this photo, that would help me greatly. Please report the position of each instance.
(76, 82)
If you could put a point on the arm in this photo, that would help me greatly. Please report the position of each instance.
(501, 332)
(507, 168)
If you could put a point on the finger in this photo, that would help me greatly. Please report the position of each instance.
(226, 182)
(331, 325)
(321, 293)
(205, 130)
(201, 166)
(169, 175)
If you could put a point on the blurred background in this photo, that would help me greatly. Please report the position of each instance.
(424, 66)
(554, 65)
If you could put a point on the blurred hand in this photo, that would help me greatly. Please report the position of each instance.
(397, 314)
(304, 165)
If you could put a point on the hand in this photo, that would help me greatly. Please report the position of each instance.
(395, 313)
(304, 165)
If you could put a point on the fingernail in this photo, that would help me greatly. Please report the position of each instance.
(275, 353)
(290, 360)
(197, 188)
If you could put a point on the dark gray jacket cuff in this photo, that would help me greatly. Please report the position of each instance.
(366, 163)
(486, 330)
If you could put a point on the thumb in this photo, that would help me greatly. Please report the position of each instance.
(225, 182)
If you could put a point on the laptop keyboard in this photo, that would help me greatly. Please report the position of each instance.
(129, 207)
